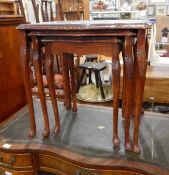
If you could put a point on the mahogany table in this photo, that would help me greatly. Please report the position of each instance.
(82, 147)
(76, 35)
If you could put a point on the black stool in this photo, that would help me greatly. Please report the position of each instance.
(91, 58)
(96, 68)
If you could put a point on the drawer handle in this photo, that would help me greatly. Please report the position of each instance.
(85, 171)
(10, 164)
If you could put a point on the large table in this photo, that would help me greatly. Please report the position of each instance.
(82, 147)
(77, 37)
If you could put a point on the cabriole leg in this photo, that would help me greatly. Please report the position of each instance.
(50, 78)
(38, 74)
(116, 91)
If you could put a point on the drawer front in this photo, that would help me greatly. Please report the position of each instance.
(10, 160)
(61, 167)
(4, 172)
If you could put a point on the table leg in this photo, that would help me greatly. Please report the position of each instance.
(141, 65)
(50, 78)
(57, 63)
(63, 72)
(38, 75)
(135, 77)
(100, 85)
(116, 91)
(27, 82)
(73, 86)
(146, 46)
(90, 77)
(66, 81)
(96, 78)
(128, 67)
(80, 80)
(134, 83)
(124, 86)
(77, 72)
(135, 73)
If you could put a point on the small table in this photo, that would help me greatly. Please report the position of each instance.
(74, 32)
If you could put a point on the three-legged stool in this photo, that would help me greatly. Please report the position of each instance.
(96, 68)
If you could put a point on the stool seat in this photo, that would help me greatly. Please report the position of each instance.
(91, 58)
(93, 66)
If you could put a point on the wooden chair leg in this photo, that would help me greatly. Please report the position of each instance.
(96, 78)
(73, 86)
(140, 80)
(80, 81)
(101, 86)
(90, 77)
(50, 78)
(38, 74)
(26, 55)
(128, 87)
(116, 91)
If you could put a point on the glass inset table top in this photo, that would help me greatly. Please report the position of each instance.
(89, 132)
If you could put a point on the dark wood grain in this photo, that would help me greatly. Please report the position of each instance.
(141, 65)
(12, 92)
(116, 91)
(128, 78)
(13, 20)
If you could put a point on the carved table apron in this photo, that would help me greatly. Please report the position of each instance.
(68, 31)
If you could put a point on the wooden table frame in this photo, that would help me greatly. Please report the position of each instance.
(92, 31)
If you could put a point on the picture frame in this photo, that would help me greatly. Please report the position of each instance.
(151, 11)
(161, 10)
(162, 33)
(159, 1)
